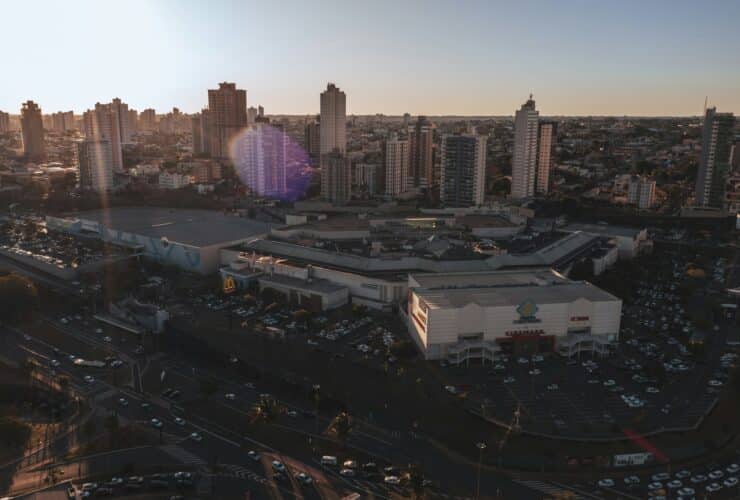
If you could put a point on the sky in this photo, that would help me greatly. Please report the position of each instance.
(451, 57)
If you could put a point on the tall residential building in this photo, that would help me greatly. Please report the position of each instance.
(103, 124)
(133, 120)
(336, 177)
(228, 113)
(252, 113)
(641, 192)
(4, 122)
(421, 163)
(201, 127)
(524, 160)
(260, 157)
(62, 121)
(32, 129)
(462, 170)
(148, 120)
(312, 139)
(333, 120)
(716, 159)
(545, 146)
(121, 113)
(96, 165)
(396, 165)
(366, 178)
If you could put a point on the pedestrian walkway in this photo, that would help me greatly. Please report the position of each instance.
(231, 470)
(549, 489)
(184, 456)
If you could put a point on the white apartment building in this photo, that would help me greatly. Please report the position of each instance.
(173, 180)
(96, 165)
(524, 159)
(396, 165)
(641, 192)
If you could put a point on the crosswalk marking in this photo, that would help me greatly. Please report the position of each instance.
(548, 489)
(183, 455)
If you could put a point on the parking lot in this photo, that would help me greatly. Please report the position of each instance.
(666, 372)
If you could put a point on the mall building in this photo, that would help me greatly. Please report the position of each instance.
(462, 316)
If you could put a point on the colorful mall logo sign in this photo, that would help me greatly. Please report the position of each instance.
(527, 311)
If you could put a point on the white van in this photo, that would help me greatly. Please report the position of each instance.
(328, 460)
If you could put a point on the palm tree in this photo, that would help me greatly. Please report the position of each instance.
(341, 426)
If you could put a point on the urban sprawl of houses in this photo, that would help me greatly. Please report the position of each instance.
(504, 252)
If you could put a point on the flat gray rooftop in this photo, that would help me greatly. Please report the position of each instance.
(199, 228)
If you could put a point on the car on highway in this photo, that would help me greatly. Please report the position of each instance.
(156, 423)
(392, 480)
(253, 455)
(123, 402)
(278, 466)
(182, 475)
(304, 478)
(230, 396)
(55, 363)
(347, 472)
(89, 379)
(606, 483)
(196, 437)
(179, 421)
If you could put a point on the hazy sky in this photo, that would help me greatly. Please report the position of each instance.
(647, 57)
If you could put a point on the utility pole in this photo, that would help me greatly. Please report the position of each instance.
(481, 446)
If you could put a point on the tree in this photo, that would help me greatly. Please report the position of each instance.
(341, 426)
(302, 316)
(415, 477)
(18, 297)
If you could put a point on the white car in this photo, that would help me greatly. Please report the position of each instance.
(713, 487)
(88, 379)
(606, 483)
(122, 402)
(699, 478)
(683, 474)
(278, 466)
(716, 474)
(347, 472)
(107, 339)
(230, 396)
(655, 486)
(730, 482)
(715, 383)
(391, 480)
(652, 390)
(675, 484)
(536, 371)
(55, 363)
(686, 492)
(179, 421)
(196, 436)
(253, 455)
(304, 478)
(156, 423)
(733, 468)
(630, 480)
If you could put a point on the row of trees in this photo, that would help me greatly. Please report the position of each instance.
(18, 297)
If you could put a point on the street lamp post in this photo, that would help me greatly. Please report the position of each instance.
(481, 446)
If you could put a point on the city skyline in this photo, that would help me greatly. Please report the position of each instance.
(573, 61)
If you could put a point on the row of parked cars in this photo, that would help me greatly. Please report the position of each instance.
(118, 485)
(684, 484)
